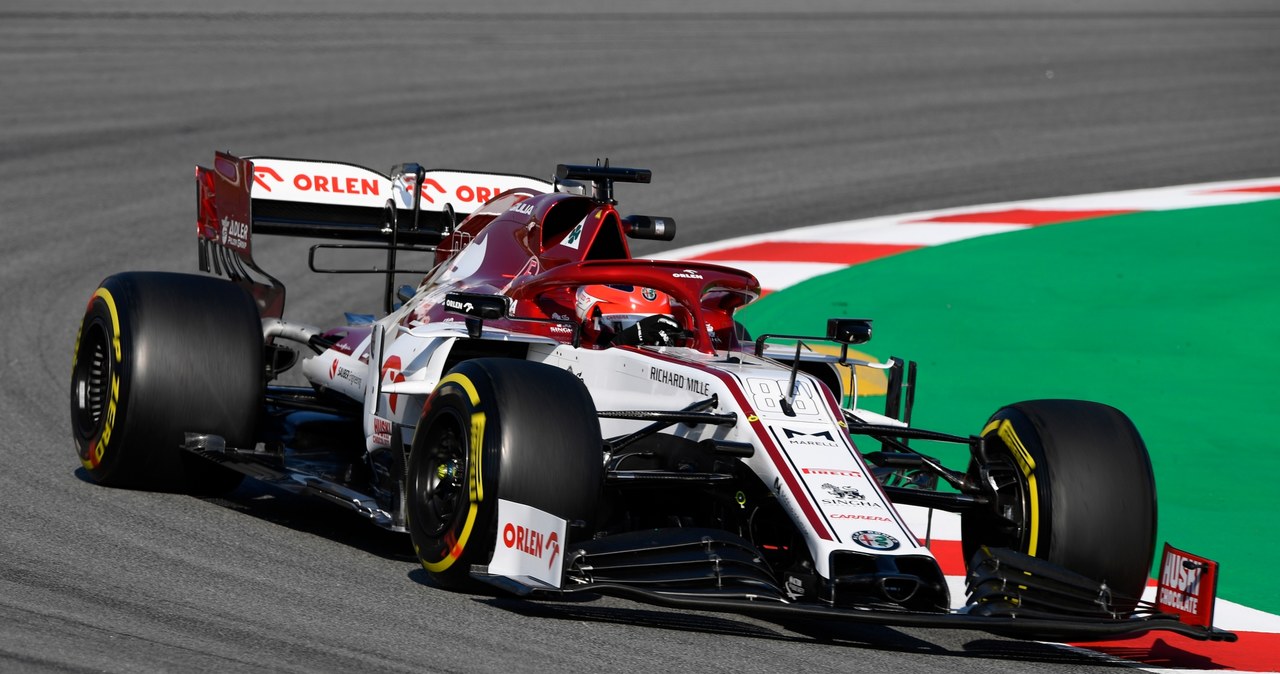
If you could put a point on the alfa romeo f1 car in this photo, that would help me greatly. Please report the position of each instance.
(546, 415)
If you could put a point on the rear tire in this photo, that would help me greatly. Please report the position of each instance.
(159, 355)
(498, 428)
(1074, 486)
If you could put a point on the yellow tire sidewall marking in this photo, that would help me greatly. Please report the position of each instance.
(1004, 429)
(475, 477)
(115, 319)
(97, 448)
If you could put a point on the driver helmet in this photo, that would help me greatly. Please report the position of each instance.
(610, 310)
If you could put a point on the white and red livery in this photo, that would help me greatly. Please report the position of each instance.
(523, 442)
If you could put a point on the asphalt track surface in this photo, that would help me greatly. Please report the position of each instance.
(751, 120)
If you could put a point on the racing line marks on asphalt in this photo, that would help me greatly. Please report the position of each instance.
(1025, 216)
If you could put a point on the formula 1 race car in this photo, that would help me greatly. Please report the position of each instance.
(545, 415)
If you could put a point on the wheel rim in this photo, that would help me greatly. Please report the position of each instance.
(91, 381)
(440, 481)
(1006, 524)
(1011, 504)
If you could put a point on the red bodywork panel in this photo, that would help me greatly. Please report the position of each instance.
(538, 249)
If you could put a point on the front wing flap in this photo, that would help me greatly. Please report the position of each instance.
(1010, 595)
(767, 605)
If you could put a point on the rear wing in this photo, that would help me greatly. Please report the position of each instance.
(334, 199)
(242, 197)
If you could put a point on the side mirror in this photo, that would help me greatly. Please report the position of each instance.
(477, 305)
(849, 330)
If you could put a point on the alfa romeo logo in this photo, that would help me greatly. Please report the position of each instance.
(875, 540)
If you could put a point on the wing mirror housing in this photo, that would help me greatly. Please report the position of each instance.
(478, 305)
(849, 330)
(477, 308)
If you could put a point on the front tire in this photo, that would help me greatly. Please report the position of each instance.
(159, 355)
(498, 428)
(1074, 486)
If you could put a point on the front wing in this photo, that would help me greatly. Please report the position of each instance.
(709, 570)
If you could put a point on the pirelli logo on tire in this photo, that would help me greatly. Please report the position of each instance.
(94, 452)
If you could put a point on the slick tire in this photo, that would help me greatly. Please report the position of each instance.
(159, 355)
(498, 428)
(1074, 486)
